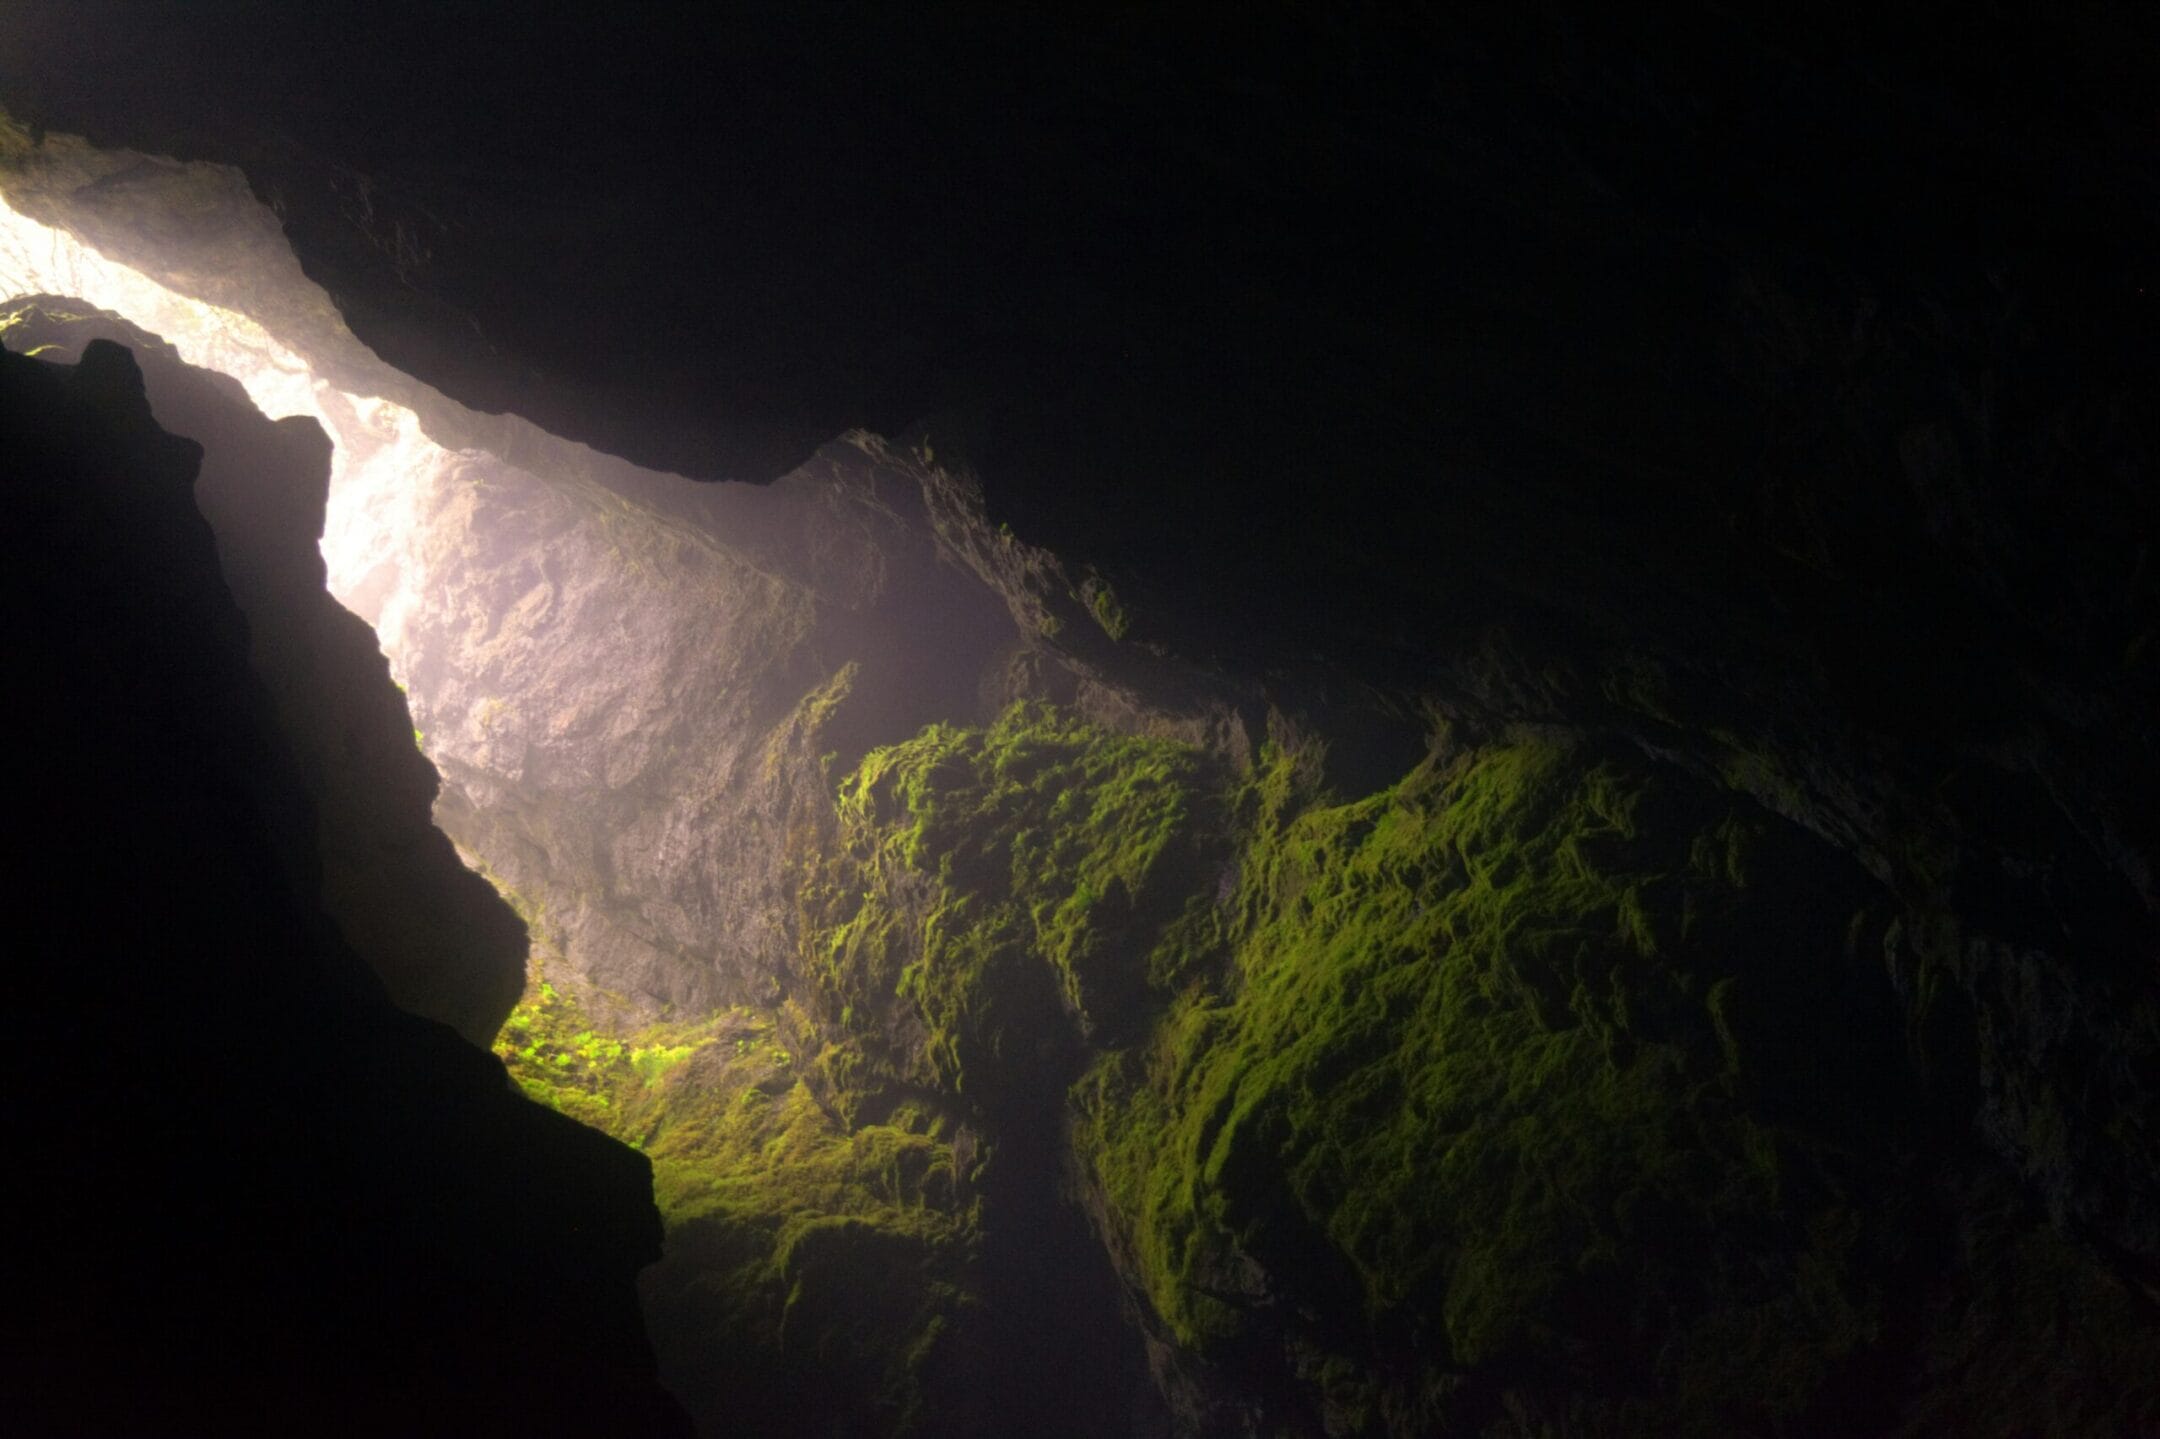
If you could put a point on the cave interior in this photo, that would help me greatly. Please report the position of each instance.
(968, 720)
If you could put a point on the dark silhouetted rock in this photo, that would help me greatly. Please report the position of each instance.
(245, 1194)
(442, 941)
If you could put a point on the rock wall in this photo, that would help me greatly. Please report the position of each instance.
(602, 684)
(1669, 1049)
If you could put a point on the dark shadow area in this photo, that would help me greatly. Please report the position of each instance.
(246, 1195)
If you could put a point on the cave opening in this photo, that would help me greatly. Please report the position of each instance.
(379, 453)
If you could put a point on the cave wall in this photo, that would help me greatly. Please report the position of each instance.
(628, 805)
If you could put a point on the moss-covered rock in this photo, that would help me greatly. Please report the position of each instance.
(811, 1269)
(1512, 1084)
(1549, 1090)
(998, 897)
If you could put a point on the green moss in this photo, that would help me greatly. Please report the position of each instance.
(1505, 1070)
(1003, 888)
(1479, 1081)
(1102, 602)
(777, 1213)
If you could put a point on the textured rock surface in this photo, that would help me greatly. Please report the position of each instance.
(639, 720)
(604, 686)
(639, 715)
(1724, 446)
(246, 1195)
(1546, 1091)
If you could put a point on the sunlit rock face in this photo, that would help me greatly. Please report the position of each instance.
(605, 689)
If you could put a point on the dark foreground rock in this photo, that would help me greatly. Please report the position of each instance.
(442, 941)
(246, 1195)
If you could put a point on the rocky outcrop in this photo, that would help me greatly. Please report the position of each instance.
(246, 1194)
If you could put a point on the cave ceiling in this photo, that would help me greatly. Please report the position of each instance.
(1337, 317)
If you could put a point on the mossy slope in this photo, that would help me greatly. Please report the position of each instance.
(1550, 1090)
(981, 905)
(811, 1268)
(1513, 1081)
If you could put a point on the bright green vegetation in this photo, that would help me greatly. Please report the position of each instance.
(1506, 1086)
(1102, 602)
(778, 1216)
(1487, 1082)
(559, 1059)
(1015, 889)
(983, 900)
